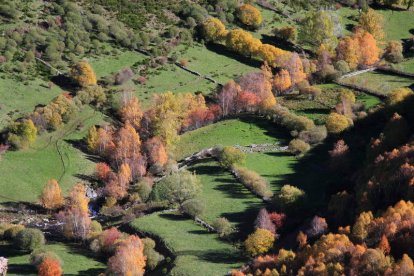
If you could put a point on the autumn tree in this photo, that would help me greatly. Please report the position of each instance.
(156, 152)
(51, 197)
(231, 156)
(286, 33)
(264, 221)
(336, 123)
(242, 42)
(127, 145)
(295, 68)
(129, 258)
(50, 267)
(102, 171)
(259, 242)
(249, 15)
(317, 227)
(398, 95)
(214, 30)
(348, 50)
(272, 55)
(369, 51)
(92, 139)
(282, 81)
(22, 134)
(130, 110)
(83, 74)
(226, 97)
(372, 22)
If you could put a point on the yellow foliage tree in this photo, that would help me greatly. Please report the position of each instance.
(249, 15)
(336, 123)
(83, 74)
(259, 242)
(51, 197)
(373, 22)
(272, 55)
(214, 30)
(242, 42)
(398, 95)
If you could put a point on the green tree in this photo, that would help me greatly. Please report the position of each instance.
(317, 28)
(230, 156)
(22, 134)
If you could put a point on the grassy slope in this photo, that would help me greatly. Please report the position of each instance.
(220, 66)
(18, 99)
(398, 24)
(244, 131)
(25, 172)
(382, 83)
(407, 66)
(75, 261)
(196, 249)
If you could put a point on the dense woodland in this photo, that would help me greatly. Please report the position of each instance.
(209, 137)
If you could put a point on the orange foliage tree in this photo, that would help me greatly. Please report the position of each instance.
(130, 110)
(282, 81)
(49, 267)
(249, 15)
(51, 197)
(129, 258)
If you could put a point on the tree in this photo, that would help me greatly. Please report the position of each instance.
(83, 74)
(231, 156)
(317, 227)
(348, 50)
(289, 198)
(156, 152)
(242, 42)
(130, 111)
(298, 147)
(370, 52)
(336, 123)
(214, 30)
(223, 227)
(249, 15)
(128, 145)
(177, 187)
(227, 96)
(272, 55)
(259, 242)
(360, 228)
(384, 245)
(372, 22)
(102, 171)
(92, 94)
(295, 68)
(29, 239)
(282, 81)
(129, 258)
(263, 221)
(398, 95)
(50, 267)
(22, 134)
(394, 52)
(51, 197)
(286, 33)
(92, 139)
(317, 28)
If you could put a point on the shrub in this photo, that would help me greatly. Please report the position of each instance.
(342, 67)
(93, 94)
(193, 207)
(153, 257)
(96, 229)
(259, 242)
(223, 227)
(314, 135)
(144, 188)
(254, 182)
(398, 95)
(38, 255)
(287, 33)
(123, 76)
(289, 198)
(29, 239)
(50, 267)
(336, 123)
(83, 74)
(297, 146)
(281, 115)
(22, 134)
(394, 52)
(230, 156)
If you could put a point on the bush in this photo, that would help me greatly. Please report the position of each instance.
(342, 67)
(223, 227)
(193, 207)
(259, 242)
(96, 229)
(254, 182)
(394, 52)
(398, 95)
(144, 188)
(281, 115)
(230, 156)
(153, 257)
(29, 239)
(314, 135)
(290, 198)
(286, 33)
(336, 123)
(38, 255)
(297, 147)
(123, 76)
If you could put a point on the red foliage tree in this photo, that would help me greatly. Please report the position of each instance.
(102, 171)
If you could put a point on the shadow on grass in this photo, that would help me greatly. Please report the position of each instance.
(222, 50)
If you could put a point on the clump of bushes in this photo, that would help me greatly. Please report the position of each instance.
(298, 147)
(223, 227)
(314, 135)
(336, 123)
(29, 239)
(193, 207)
(282, 116)
(153, 257)
(253, 181)
(40, 254)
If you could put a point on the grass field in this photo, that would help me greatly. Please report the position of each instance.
(398, 24)
(244, 131)
(382, 83)
(108, 64)
(76, 261)
(224, 196)
(197, 251)
(220, 66)
(25, 172)
(406, 66)
(17, 99)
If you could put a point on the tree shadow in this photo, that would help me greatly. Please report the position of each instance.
(222, 50)
(65, 83)
(350, 27)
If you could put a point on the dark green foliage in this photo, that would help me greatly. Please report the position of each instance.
(29, 239)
